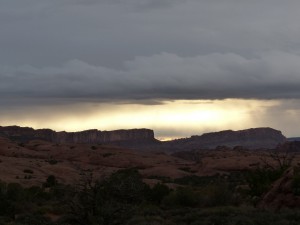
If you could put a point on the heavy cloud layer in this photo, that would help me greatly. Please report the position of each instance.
(272, 75)
(149, 49)
(68, 64)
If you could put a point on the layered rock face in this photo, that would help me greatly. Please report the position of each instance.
(251, 138)
(255, 138)
(88, 136)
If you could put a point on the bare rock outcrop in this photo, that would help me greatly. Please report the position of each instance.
(281, 194)
(254, 138)
(89, 136)
(143, 139)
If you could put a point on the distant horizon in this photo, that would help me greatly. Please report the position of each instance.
(169, 119)
(176, 67)
(183, 137)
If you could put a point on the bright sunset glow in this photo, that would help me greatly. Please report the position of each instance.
(177, 67)
(171, 119)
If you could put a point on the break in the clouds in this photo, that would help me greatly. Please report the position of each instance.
(73, 61)
(173, 119)
(273, 75)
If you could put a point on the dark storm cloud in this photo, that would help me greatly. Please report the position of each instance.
(149, 49)
(167, 76)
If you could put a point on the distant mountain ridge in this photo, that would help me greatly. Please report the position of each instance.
(94, 136)
(143, 139)
(252, 138)
(293, 139)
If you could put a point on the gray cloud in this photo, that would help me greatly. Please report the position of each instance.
(283, 116)
(273, 75)
(149, 49)
(107, 33)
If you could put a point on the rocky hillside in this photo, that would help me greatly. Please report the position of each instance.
(32, 162)
(254, 138)
(284, 192)
(143, 139)
(25, 134)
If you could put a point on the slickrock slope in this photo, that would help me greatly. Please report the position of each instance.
(254, 138)
(32, 162)
(25, 134)
(281, 195)
(69, 161)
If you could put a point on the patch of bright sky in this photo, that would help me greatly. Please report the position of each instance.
(172, 119)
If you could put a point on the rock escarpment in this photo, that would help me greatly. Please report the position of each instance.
(254, 138)
(89, 136)
(143, 139)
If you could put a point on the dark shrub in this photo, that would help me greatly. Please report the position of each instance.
(260, 180)
(158, 192)
(28, 171)
(126, 185)
(51, 181)
(181, 197)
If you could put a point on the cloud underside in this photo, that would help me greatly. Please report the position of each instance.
(272, 75)
(149, 50)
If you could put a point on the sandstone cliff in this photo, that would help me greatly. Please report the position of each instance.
(143, 139)
(254, 138)
(89, 136)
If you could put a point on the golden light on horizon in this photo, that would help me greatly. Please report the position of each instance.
(183, 114)
(170, 119)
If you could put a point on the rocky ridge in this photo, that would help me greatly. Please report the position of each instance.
(94, 136)
(254, 138)
(143, 139)
(282, 193)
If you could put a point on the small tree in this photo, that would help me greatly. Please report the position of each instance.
(278, 159)
(107, 201)
(274, 163)
(158, 192)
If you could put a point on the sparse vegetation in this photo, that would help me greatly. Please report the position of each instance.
(278, 159)
(21, 144)
(93, 147)
(163, 179)
(51, 181)
(52, 161)
(27, 177)
(186, 169)
(28, 171)
(108, 154)
(123, 198)
(261, 179)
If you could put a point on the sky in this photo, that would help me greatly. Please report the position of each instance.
(180, 67)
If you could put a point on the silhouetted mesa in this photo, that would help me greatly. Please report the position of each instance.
(254, 138)
(294, 139)
(25, 134)
(143, 139)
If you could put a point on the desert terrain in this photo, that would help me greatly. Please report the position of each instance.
(129, 177)
(31, 161)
